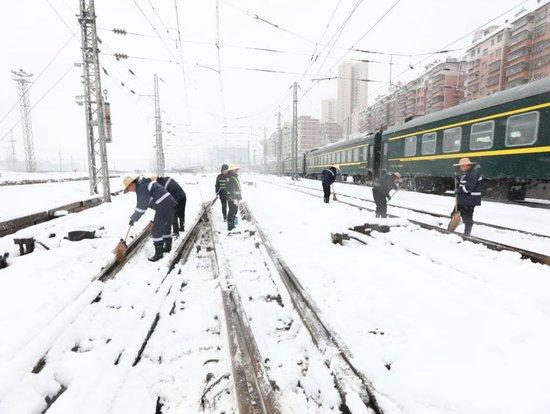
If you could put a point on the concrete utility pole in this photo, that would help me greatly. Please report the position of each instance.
(295, 131)
(98, 167)
(279, 144)
(158, 131)
(12, 151)
(23, 80)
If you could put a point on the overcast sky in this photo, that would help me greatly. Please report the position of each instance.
(33, 34)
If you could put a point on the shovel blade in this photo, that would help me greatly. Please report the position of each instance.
(456, 220)
(120, 251)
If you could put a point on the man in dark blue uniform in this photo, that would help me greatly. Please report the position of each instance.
(221, 189)
(177, 192)
(151, 194)
(233, 194)
(468, 192)
(381, 191)
(328, 177)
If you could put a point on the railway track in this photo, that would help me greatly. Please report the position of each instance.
(11, 226)
(347, 378)
(492, 245)
(433, 214)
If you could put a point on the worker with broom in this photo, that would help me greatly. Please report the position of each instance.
(381, 191)
(178, 194)
(233, 194)
(467, 195)
(221, 189)
(152, 194)
(328, 177)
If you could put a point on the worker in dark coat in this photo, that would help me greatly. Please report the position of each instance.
(233, 195)
(221, 189)
(468, 192)
(177, 192)
(328, 177)
(381, 191)
(151, 194)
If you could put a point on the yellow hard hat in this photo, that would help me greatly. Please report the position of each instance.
(336, 166)
(154, 177)
(129, 179)
(232, 167)
(464, 161)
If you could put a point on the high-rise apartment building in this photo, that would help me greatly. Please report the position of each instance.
(330, 132)
(308, 133)
(352, 91)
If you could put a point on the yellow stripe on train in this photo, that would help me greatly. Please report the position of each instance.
(495, 153)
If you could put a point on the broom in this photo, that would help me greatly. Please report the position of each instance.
(334, 198)
(121, 248)
(456, 218)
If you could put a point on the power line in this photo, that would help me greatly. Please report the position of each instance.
(446, 47)
(39, 100)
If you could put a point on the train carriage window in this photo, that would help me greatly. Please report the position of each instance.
(522, 129)
(356, 154)
(365, 153)
(481, 135)
(452, 139)
(410, 147)
(429, 142)
(348, 156)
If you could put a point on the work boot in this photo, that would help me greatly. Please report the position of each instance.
(167, 246)
(230, 225)
(468, 229)
(182, 225)
(326, 199)
(158, 253)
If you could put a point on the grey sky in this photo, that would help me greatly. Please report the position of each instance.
(32, 33)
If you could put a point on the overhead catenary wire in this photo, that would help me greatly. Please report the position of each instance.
(446, 47)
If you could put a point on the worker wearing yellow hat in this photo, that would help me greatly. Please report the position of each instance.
(468, 192)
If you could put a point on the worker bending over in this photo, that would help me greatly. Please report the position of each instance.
(177, 192)
(151, 194)
(381, 191)
(328, 177)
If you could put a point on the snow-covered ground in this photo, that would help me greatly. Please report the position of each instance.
(13, 176)
(437, 324)
(536, 220)
(45, 303)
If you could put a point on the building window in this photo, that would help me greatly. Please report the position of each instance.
(452, 139)
(539, 30)
(429, 142)
(410, 147)
(499, 39)
(481, 135)
(522, 129)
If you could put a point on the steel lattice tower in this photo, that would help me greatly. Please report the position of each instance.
(23, 80)
(93, 102)
(158, 131)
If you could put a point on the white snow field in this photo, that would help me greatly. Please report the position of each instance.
(438, 325)
(21, 200)
(45, 307)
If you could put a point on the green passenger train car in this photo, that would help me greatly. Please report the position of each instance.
(507, 133)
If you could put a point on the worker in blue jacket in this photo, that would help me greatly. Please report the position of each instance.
(468, 192)
(328, 177)
(221, 189)
(151, 194)
(177, 192)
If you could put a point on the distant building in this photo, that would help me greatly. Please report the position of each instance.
(328, 110)
(308, 133)
(517, 53)
(223, 155)
(330, 132)
(352, 92)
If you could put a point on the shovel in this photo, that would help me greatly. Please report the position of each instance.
(121, 248)
(456, 218)
(334, 198)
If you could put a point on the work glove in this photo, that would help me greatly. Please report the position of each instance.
(131, 223)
